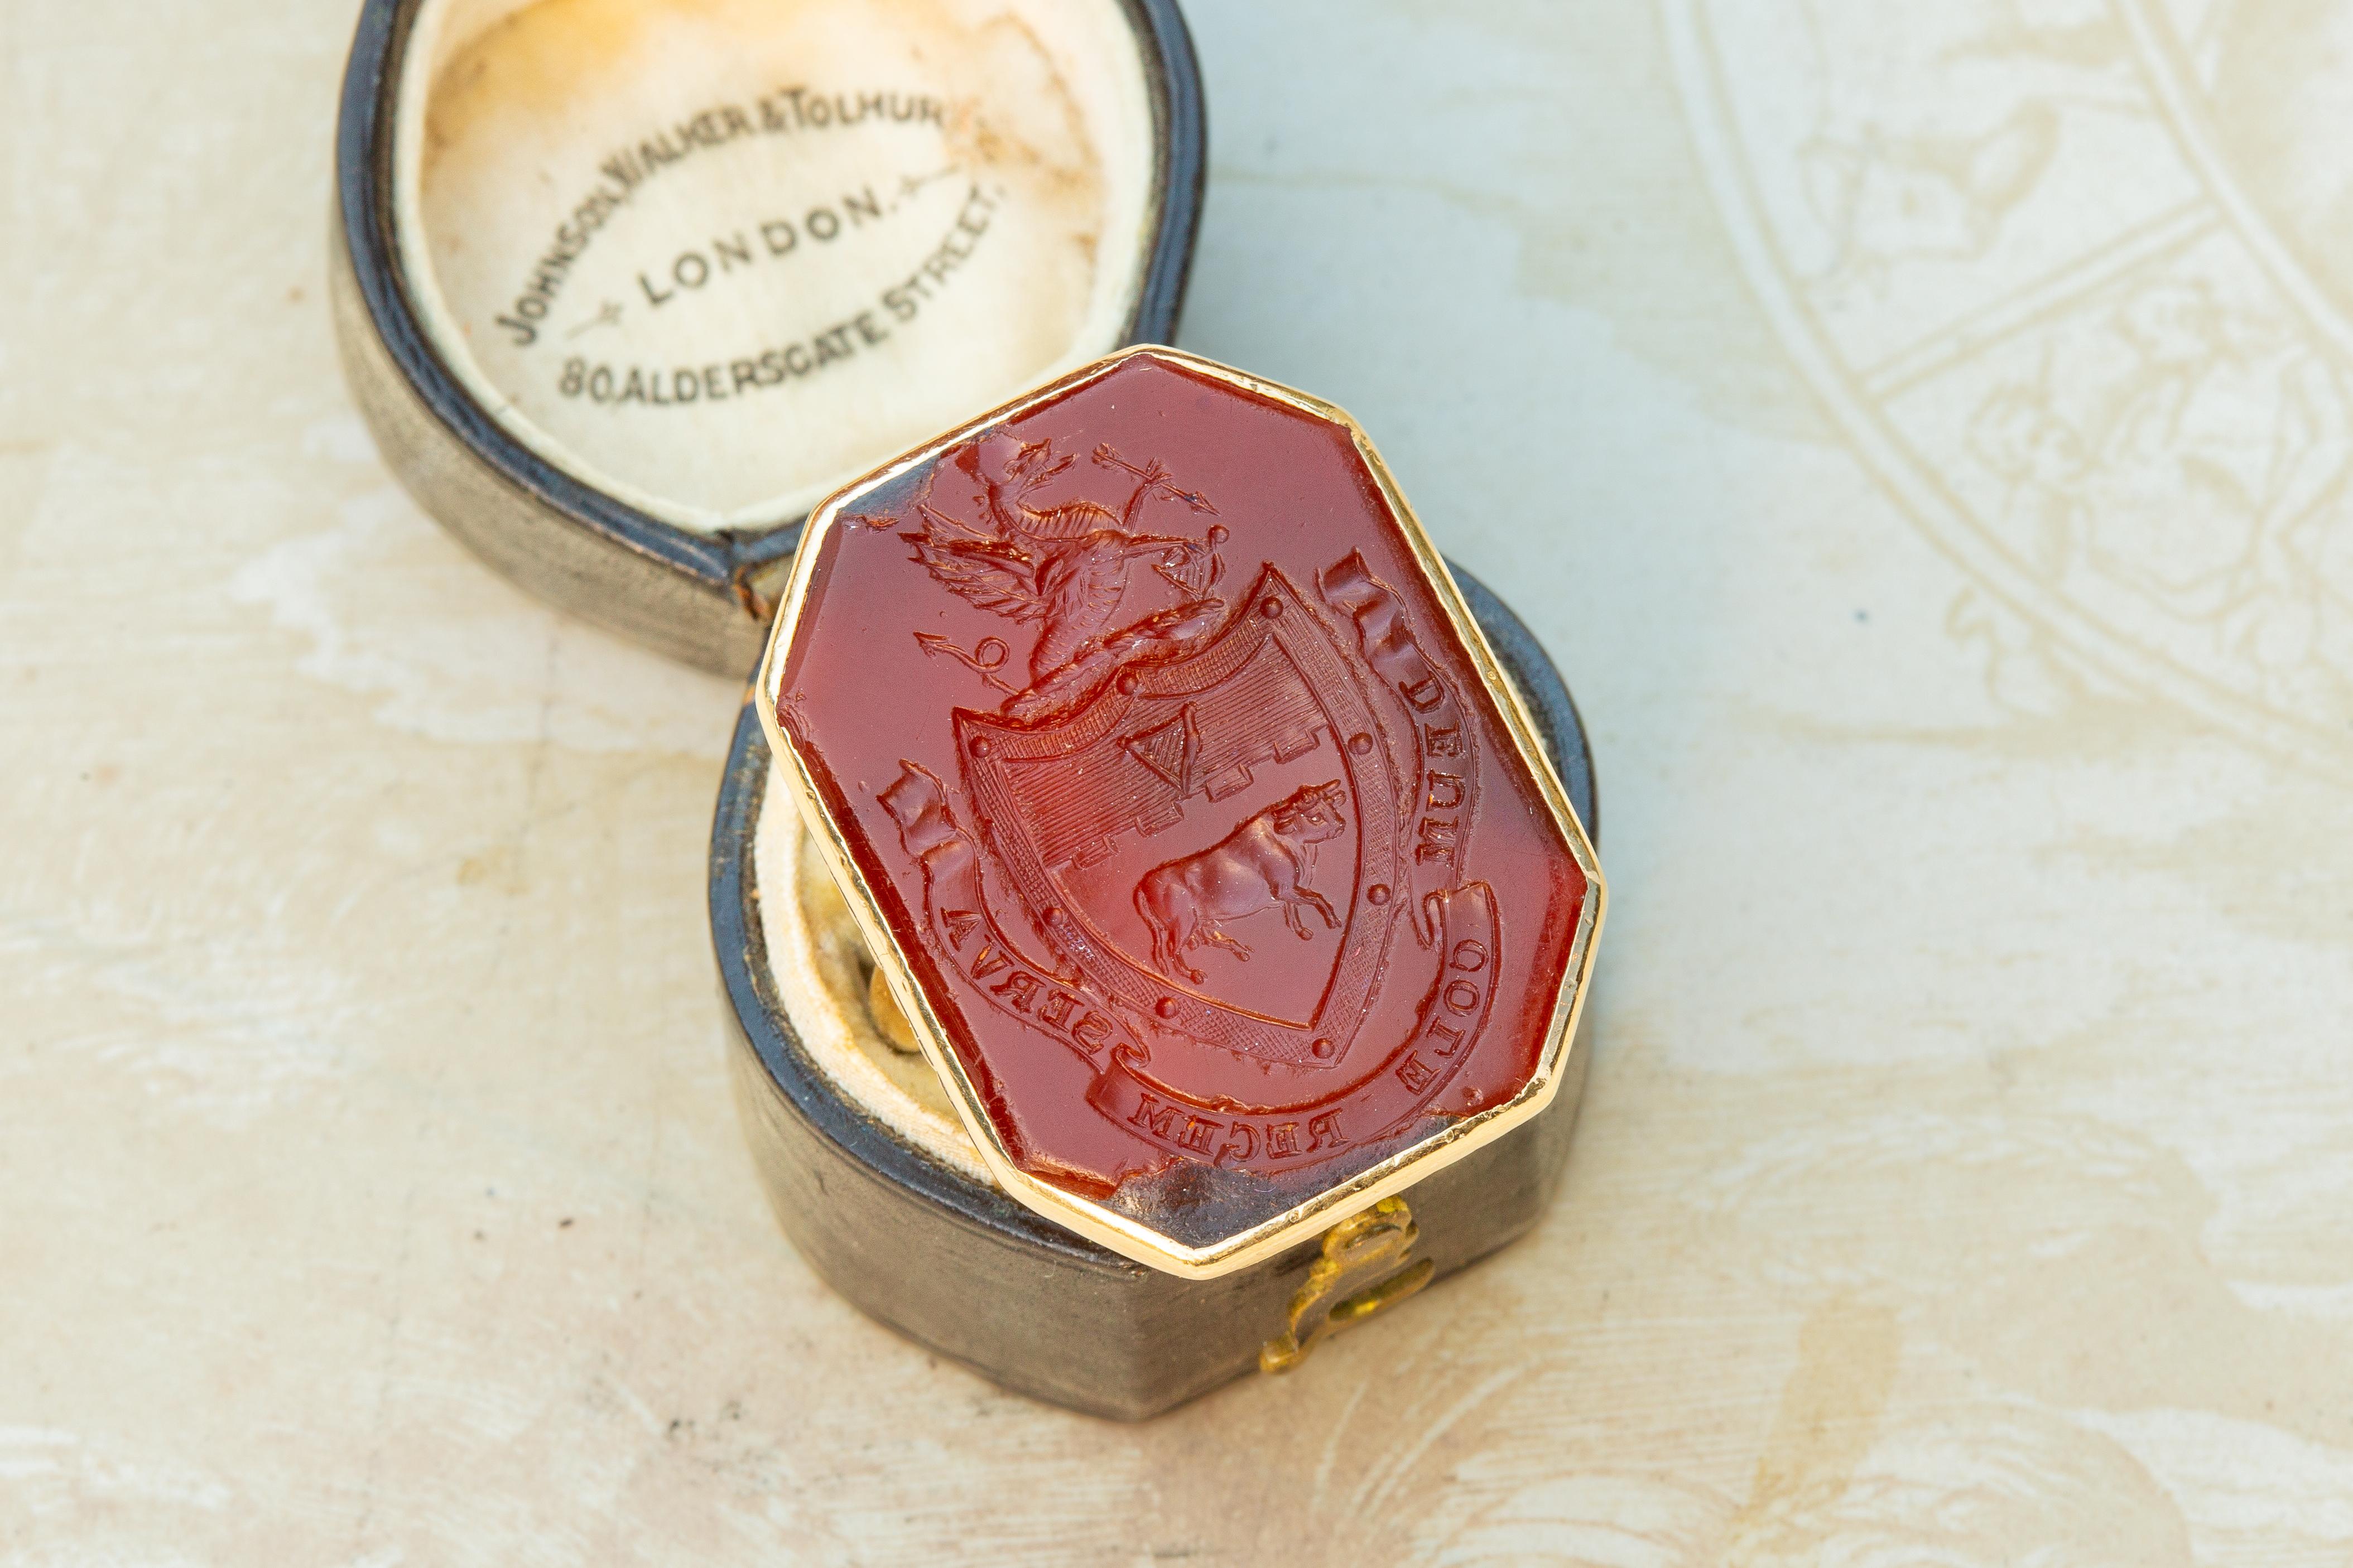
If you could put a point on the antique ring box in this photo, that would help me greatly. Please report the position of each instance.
(1223, 861)
(624, 287)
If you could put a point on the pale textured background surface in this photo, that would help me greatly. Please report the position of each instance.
(1921, 433)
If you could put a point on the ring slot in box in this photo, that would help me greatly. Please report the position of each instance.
(625, 286)
(882, 1191)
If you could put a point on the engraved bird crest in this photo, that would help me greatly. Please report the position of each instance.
(1065, 566)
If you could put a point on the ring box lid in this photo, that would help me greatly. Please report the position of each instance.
(673, 271)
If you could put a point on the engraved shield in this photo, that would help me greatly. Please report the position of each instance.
(1213, 839)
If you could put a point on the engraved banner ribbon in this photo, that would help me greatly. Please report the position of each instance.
(1266, 1142)
(955, 913)
(1444, 789)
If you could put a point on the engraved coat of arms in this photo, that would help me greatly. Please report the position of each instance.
(1200, 802)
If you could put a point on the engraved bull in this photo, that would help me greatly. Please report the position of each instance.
(1257, 866)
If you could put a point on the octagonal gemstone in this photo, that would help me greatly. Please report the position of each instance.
(1218, 870)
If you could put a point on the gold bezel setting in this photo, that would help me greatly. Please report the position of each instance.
(1345, 1199)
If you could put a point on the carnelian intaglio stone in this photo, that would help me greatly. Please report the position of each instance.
(1177, 786)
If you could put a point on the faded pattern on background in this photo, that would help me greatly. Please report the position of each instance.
(1924, 435)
